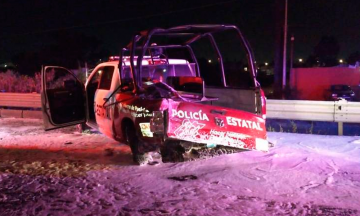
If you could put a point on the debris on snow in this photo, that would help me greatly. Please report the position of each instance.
(301, 175)
(183, 178)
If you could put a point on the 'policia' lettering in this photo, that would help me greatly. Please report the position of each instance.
(190, 115)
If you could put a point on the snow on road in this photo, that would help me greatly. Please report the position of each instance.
(63, 172)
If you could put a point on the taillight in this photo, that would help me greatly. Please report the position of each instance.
(263, 104)
(157, 122)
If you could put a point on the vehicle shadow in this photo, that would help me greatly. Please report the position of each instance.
(63, 162)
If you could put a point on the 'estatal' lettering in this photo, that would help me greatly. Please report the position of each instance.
(243, 123)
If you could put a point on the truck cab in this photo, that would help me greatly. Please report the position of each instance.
(163, 90)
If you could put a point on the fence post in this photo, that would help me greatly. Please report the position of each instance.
(340, 128)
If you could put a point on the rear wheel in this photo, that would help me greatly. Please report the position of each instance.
(172, 152)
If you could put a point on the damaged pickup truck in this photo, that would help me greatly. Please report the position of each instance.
(176, 90)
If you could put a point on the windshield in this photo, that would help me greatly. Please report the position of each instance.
(160, 73)
(155, 78)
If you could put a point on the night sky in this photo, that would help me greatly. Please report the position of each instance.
(27, 25)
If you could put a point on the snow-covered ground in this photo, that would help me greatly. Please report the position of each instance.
(63, 172)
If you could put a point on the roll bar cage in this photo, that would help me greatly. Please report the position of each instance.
(194, 32)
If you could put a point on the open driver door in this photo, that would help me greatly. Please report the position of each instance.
(63, 98)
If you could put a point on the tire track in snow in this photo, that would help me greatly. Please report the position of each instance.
(330, 177)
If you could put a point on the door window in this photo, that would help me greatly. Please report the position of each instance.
(106, 77)
(95, 79)
(59, 79)
(126, 79)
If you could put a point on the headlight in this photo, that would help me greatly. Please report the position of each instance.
(334, 95)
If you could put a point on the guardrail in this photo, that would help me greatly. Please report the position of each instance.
(27, 100)
(17, 102)
(332, 111)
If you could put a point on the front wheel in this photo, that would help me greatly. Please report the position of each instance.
(139, 157)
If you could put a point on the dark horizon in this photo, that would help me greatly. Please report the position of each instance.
(29, 27)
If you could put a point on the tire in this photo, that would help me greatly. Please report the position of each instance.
(132, 140)
(172, 152)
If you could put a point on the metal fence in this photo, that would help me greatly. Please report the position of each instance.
(20, 105)
(331, 111)
(26, 100)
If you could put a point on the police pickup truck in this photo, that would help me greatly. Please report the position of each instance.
(168, 91)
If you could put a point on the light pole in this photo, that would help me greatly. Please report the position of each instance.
(292, 52)
(284, 51)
